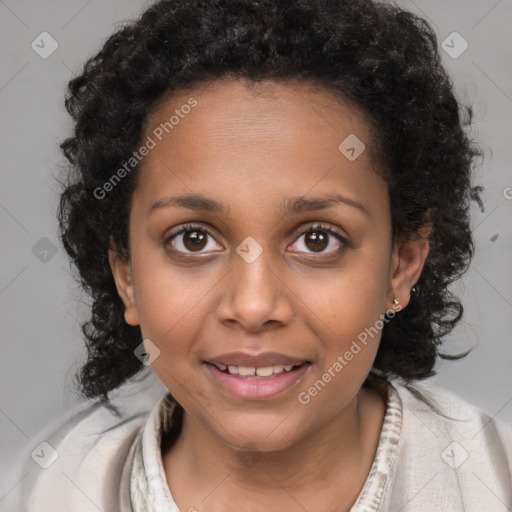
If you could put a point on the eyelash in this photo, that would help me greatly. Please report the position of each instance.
(309, 229)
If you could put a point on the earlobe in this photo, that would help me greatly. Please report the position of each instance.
(121, 271)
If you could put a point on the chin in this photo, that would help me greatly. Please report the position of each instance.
(262, 434)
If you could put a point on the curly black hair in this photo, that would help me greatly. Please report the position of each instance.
(381, 58)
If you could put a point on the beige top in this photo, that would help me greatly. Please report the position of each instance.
(424, 461)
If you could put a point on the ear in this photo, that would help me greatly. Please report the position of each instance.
(407, 262)
(122, 273)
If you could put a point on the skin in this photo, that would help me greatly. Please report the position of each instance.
(252, 148)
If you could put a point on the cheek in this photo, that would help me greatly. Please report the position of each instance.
(347, 321)
(345, 310)
(173, 305)
(166, 294)
(171, 315)
(351, 297)
(173, 322)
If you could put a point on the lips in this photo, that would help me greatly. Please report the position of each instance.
(256, 376)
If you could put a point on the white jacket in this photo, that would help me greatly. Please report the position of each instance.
(91, 460)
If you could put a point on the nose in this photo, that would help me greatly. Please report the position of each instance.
(254, 296)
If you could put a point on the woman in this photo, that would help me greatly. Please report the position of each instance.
(269, 201)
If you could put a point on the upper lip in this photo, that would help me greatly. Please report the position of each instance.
(256, 361)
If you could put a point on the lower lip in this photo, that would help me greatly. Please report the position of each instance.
(257, 388)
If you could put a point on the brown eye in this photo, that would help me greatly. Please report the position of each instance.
(316, 239)
(194, 240)
(191, 239)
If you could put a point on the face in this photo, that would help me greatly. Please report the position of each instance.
(258, 246)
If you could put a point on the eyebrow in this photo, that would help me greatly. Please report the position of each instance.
(301, 204)
(292, 205)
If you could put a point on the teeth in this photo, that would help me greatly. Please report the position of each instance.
(262, 371)
(242, 370)
(265, 371)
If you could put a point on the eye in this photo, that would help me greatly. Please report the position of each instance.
(194, 238)
(318, 238)
(191, 238)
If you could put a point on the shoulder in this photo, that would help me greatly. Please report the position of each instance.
(448, 414)
(451, 451)
(76, 462)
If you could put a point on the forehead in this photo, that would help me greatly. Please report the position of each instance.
(254, 140)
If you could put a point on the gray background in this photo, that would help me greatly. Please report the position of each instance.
(39, 301)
